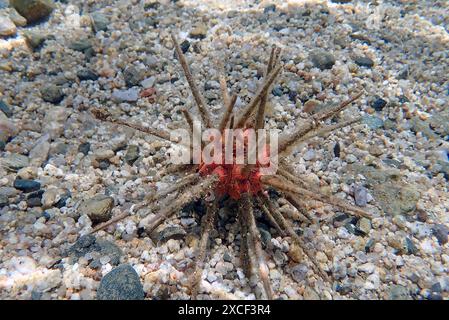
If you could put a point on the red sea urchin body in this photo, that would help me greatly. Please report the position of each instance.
(234, 180)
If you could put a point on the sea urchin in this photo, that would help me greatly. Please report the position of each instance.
(243, 183)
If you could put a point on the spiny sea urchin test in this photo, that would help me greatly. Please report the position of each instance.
(245, 184)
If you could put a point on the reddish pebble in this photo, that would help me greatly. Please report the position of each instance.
(148, 92)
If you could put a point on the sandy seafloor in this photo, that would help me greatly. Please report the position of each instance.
(395, 161)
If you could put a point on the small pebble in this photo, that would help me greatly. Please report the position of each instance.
(440, 231)
(87, 74)
(129, 95)
(7, 27)
(133, 76)
(5, 108)
(185, 45)
(364, 62)
(337, 150)
(350, 158)
(322, 59)
(378, 104)
(269, 8)
(98, 208)
(364, 226)
(360, 196)
(35, 10)
(52, 93)
(84, 148)
(199, 31)
(27, 185)
(100, 22)
(122, 283)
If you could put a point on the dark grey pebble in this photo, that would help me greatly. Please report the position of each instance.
(87, 74)
(299, 272)
(34, 199)
(410, 246)
(404, 73)
(185, 45)
(132, 154)
(292, 96)
(4, 201)
(63, 200)
(36, 295)
(440, 231)
(52, 93)
(82, 45)
(95, 264)
(89, 243)
(227, 257)
(5, 109)
(369, 245)
(34, 202)
(273, 193)
(27, 185)
(195, 206)
(269, 8)
(378, 104)
(211, 85)
(403, 99)
(322, 59)
(82, 243)
(435, 296)
(168, 233)
(364, 62)
(133, 76)
(265, 235)
(352, 229)
(277, 91)
(360, 196)
(104, 164)
(46, 215)
(340, 219)
(343, 289)
(36, 194)
(100, 22)
(436, 287)
(122, 283)
(337, 150)
(84, 148)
